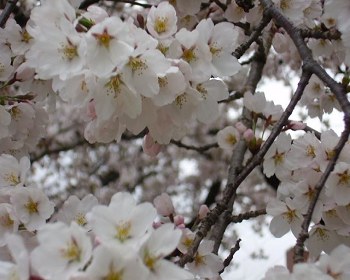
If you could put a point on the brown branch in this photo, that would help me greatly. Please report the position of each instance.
(331, 34)
(314, 131)
(9, 8)
(63, 148)
(200, 149)
(306, 55)
(232, 97)
(221, 5)
(230, 190)
(253, 37)
(235, 180)
(87, 3)
(306, 129)
(255, 75)
(229, 258)
(246, 216)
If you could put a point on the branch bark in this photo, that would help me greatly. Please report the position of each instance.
(9, 8)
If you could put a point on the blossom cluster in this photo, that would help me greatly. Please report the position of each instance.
(122, 76)
(157, 74)
(87, 240)
(299, 166)
(332, 266)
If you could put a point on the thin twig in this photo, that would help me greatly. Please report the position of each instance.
(246, 216)
(253, 37)
(234, 96)
(331, 34)
(9, 8)
(200, 149)
(231, 188)
(221, 5)
(87, 3)
(229, 258)
(255, 75)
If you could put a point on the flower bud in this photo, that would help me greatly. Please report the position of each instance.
(240, 127)
(150, 147)
(294, 125)
(164, 205)
(179, 220)
(203, 211)
(248, 135)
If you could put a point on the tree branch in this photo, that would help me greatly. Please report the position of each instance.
(230, 190)
(253, 37)
(87, 3)
(9, 8)
(194, 148)
(229, 258)
(246, 216)
(331, 34)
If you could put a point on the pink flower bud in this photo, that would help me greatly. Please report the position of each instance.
(91, 110)
(248, 135)
(203, 211)
(178, 220)
(240, 127)
(150, 147)
(156, 224)
(24, 73)
(164, 205)
(294, 125)
(181, 226)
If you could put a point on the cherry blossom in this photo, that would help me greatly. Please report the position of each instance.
(160, 244)
(60, 258)
(228, 137)
(123, 221)
(32, 207)
(161, 21)
(12, 171)
(159, 70)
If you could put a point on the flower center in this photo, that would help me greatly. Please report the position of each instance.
(123, 231)
(162, 81)
(114, 85)
(149, 260)
(290, 215)
(181, 100)
(161, 25)
(136, 64)
(12, 178)
(113, 275)
(31, 206)
(188, 55)
(80, 219)
(70, 51)
(104, 38)
(72, 252)
(278, 158)
(26, 36)
(343, 178)
(231, 139)
(310, 151)
(6, 221)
